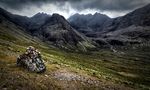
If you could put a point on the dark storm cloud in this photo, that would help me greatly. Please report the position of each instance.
(19, 4)
(115, 5)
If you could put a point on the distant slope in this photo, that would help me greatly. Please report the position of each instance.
(88, 23)
(11, 33)
(37, 21)
(131, 29)
(22, 21)
(28, 23)
(139, 17)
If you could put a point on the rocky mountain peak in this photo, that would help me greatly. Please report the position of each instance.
(87, 23)
(57, 18)
(59, 31)
(40, 14)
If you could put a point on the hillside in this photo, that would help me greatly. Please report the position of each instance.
(14, 41)
(67, 70)
(61, 34)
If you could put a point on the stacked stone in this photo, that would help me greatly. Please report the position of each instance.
(31, 60)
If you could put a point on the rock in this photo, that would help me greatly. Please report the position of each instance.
(46, 75)
(31, 60)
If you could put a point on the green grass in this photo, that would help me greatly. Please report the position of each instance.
(131, 69)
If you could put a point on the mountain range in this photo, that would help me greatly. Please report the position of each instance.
(133, 28)
(83, 32)
(53, 29)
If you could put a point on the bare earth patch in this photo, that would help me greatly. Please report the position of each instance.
(70, 76)
(74, 81)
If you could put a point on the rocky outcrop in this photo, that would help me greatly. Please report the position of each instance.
(31, 60)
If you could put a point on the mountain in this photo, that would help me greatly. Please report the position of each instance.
(37, 21)
(29, 23)
(53, 29)
(57, 30)
(12, 35)
(133, 28)
(82, 31)
(40, 18)
(22, 21)
(88, 23)
(139, 17)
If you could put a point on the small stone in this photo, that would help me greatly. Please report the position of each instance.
(46, 75)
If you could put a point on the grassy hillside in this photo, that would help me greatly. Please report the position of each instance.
(123, 70)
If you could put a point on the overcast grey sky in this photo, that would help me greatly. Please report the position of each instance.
(112, 8)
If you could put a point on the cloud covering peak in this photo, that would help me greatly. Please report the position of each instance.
(112, 8)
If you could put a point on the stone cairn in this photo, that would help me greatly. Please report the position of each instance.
(31, 60)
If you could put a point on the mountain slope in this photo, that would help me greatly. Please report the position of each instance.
(22, 21)
(99, 70)
(31, 24)
(37, 21)
(13, 42)
(52, 29)
(88, 23)
(139, 17)
(61, 73)
(131, 29)
(60, 32)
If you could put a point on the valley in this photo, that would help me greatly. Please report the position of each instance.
(115, 59)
